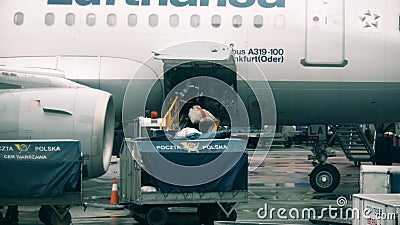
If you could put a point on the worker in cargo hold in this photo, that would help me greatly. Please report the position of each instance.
(203, 117)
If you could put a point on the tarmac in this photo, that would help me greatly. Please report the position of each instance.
(279, 193)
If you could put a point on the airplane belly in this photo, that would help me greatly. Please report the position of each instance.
(334, 103)
(302, 103)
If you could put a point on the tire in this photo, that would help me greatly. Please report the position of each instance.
(252, 142)
(222, 217)
(288, 143)
(383, 152)
(324, 178)
(207, 213)
(139, 219)
(156, 216)
(57, 220)
(1, 219)
(298, 140)
(139, 214)
(45, 214)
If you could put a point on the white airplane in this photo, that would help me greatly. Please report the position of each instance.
(66, 64)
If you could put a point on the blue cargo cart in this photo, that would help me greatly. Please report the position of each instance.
(149, 196)
(46, 173)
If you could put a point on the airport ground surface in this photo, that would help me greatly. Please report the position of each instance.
(280, 182)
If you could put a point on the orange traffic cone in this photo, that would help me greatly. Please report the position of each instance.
(114, 193)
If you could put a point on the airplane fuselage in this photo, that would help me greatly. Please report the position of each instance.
(325, 61)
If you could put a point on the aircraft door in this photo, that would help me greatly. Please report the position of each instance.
(324, 33)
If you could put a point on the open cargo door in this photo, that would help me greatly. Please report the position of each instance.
(191, 60)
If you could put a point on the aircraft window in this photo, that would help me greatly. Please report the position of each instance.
(174, 20)
(90, 19)
(70, 19)
(258, 21)
(18, 18)
(237, 21)
(49, 19)
(132, 20)
(195, 20)
(153, 20)
(112, 20)
(216, 20)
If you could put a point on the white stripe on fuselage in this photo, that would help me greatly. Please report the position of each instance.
(371, 52)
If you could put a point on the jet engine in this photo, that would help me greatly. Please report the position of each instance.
(82, 114)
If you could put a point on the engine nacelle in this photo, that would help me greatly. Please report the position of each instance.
(83, 114)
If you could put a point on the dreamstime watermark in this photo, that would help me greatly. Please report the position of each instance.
(338, 211)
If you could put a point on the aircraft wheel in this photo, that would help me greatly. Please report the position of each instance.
(324, 178)
(56, 219)
(156, 216)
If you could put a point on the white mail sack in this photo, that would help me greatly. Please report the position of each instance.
(197, 114)
(187, 131)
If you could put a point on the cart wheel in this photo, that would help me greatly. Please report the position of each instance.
(221, 216)
(45, 214)
(139, 219)
(156, 216)
(138, 214)
(252, 142)
(58, 220)
(207, 213)
(1, 219)
(324, 178)
(298, 140)
(288, 143)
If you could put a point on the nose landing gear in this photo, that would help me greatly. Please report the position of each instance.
(324, 177)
